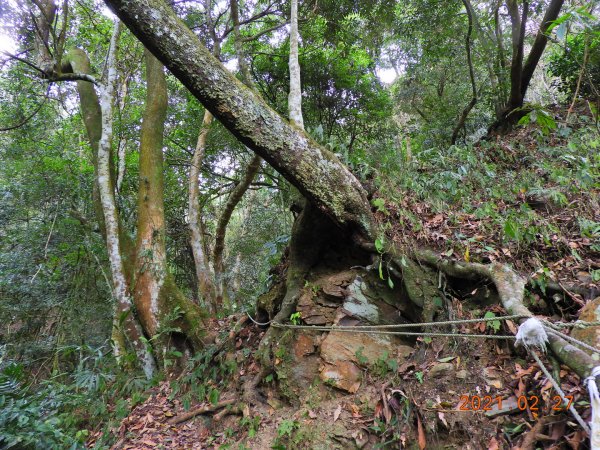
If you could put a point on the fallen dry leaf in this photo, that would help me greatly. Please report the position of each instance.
(493, 444)
(421, 433)
(337, 412)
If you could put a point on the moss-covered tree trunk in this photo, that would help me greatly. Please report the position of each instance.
(111, 218)
(151, 261)
(155, 293)
(77, 61)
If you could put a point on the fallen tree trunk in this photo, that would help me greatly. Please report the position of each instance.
(315, 171)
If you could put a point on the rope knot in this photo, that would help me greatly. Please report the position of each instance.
(532, 334)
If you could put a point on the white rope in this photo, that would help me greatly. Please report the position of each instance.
(258, 323)
(557, 388)
(572, 340)
(531, 335)
(595, 402)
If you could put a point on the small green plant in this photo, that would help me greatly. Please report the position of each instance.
(286, 432)
(419, 377)
(380, 247)
(313, 287)
(362, 359)
(589, 228)
(296, 318)
(385, 364)
(493, 324)
(251, 424)
(540, 117)
(379, 203)
(286, 427)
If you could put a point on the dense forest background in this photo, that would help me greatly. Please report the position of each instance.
(137, 232)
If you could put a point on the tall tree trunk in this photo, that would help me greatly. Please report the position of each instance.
(522, 72)
(473, 101)
(206, 285)
(78, 61)
(316, 172)
(151, 261)
(232, 201)
(518, 23)
(541, 39)
(156, 295)
(295, 94)
(246, 178)
(106, 189)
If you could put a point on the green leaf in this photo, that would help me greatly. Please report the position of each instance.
(381, 270)
(511, 229)
(524, 120)
(214, 396)
(379, 245)
(390, 283)
(419, 377)
(494, 324)
(446, 359)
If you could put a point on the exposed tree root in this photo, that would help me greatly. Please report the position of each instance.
(535, 434)
(238, 410)
(198, 411)
(511, 289)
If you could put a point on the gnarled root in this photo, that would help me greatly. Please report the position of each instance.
(511, 290)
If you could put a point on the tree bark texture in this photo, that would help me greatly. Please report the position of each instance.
(295, 94)
(518, 23)
(315, 171)
(151, 261)
(206, 285)
(106, 189)
(522, 72)
(541, 39)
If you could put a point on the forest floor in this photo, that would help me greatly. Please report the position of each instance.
(445, 395)
(528, 199)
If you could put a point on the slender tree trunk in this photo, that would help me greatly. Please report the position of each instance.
(246, 178)
(106, 189)
(78, 61)
(522, 72)
(206, 286)
(473, 101)
(518, 23)
(232, 201)
(237, 42)
(541, 39)
(315, 171)
(295, 94)
(156, 294)
(151, 261)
